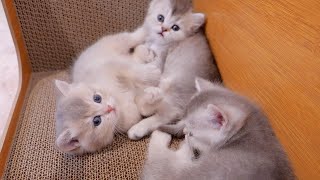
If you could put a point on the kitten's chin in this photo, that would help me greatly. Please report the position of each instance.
(159, 39)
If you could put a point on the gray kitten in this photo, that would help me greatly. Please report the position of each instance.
(227, 137)
(176, 30)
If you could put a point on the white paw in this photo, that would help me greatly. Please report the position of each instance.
(151, 75)
(137, 132)
(152, 95)
(161, 137)
(145, 54)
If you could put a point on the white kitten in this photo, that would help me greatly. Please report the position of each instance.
(100, 99)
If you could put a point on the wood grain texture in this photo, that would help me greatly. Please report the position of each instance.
(25, 72)
(270, 51)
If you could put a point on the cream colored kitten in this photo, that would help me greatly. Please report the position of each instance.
(227, 137)
(100, 99)
(172, 27)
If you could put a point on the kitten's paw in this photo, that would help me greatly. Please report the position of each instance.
(147, 101)
(151, 75)
(144, 54)
(152, 95)
(137, 132)
(139, 33)
(160, 137)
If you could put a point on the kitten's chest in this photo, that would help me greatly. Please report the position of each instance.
(159, 50)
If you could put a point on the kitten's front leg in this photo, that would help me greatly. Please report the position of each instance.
(139, 35)
(159, 141)
(144, 127)
(185, 152)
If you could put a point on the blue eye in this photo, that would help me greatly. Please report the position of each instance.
(97, 120)
(175, 28)
(160, 18)
(97, 98)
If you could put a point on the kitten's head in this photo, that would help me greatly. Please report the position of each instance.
(214, 115)
(172, 20)
(85, 118)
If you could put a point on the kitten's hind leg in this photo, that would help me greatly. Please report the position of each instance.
(147, 101)
(139, 75)
(148, 75)
(143, 54)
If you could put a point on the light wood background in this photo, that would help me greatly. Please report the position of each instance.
(269, 50)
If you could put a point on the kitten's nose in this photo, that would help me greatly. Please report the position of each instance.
(110, 109)
(164, 29)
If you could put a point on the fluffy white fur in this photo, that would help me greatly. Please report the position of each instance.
(108, 69)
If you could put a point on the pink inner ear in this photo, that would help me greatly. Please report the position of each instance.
(216, 114)
(218, 118)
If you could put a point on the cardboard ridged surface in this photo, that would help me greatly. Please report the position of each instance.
(55, 32)
(33, 154)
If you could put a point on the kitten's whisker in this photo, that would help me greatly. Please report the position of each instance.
(118, 130)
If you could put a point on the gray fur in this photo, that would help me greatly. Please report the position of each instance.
(186, 59)
(180, 7)
(243, 148)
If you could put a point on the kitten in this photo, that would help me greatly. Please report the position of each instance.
(100, 99)
(172, 24)
(227, 137)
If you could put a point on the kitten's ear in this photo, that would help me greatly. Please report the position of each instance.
(198, 20)
(62, 86)
(66, 143)
(217, 116)
(202, 84)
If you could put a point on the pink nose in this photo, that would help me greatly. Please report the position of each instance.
(164, 29)
(110, 109)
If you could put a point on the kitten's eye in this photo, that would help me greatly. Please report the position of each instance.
(175, 28)
(97, 98)
(160, 18)
(97, 120)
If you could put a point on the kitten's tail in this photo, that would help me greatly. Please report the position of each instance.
(174, 129)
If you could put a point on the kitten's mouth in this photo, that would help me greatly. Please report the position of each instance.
(110, 109)
(161, 34)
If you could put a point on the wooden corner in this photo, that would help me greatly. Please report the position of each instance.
(24, 78)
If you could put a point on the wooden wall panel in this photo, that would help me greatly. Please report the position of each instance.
(270, 51)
